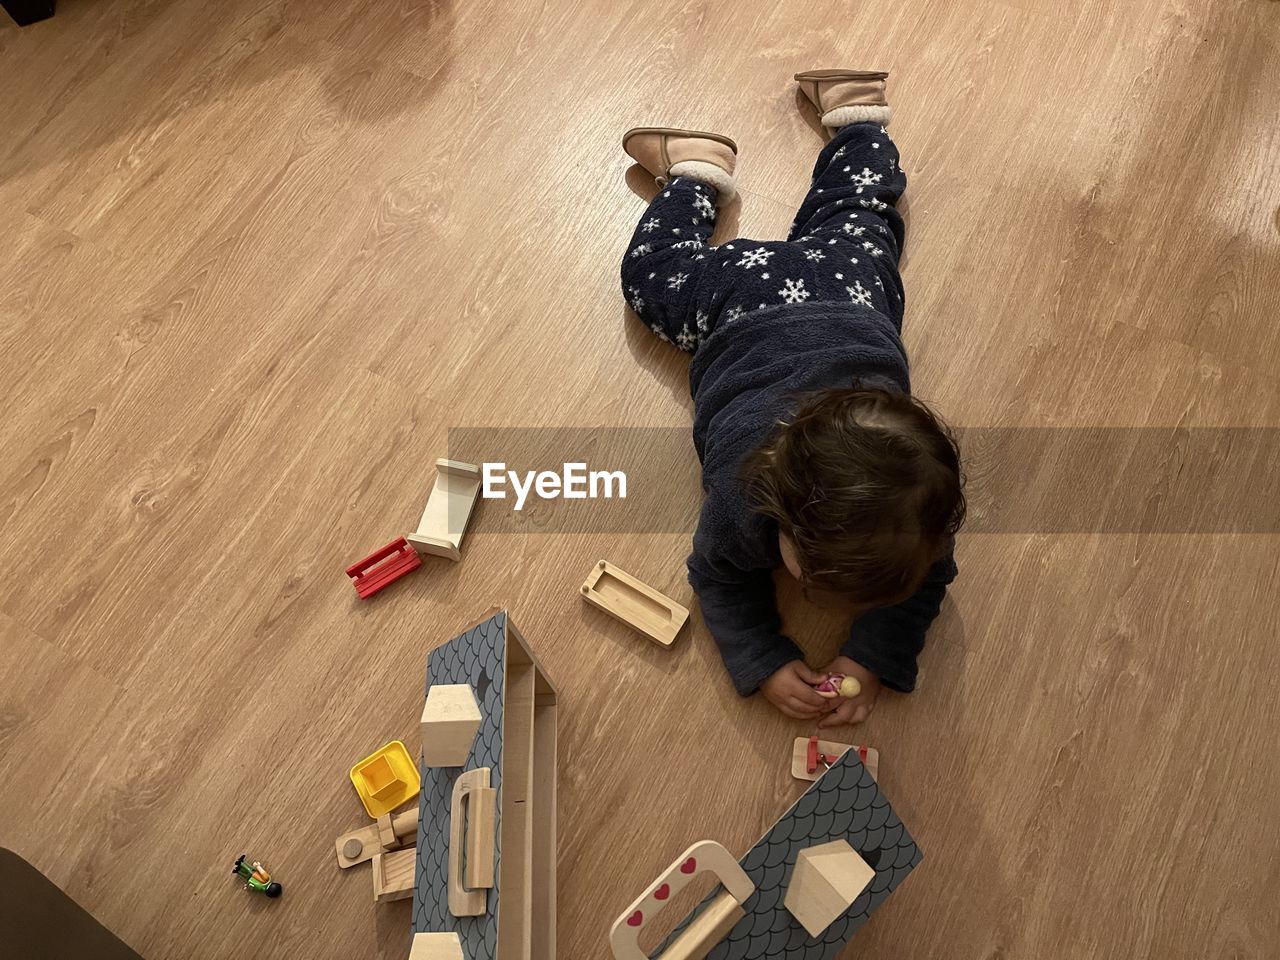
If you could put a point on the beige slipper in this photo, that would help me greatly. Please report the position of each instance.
(846, 96)
(669, 152)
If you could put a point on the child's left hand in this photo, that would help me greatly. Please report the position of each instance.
(855, 709)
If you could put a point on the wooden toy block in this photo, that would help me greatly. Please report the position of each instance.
(708, 928)
(436, 946)
(634, 602)
(383, 567)
(393, 874)
(444, 519)
(450, 719)
(360, 845)
(465, 843)
(808, 754)
(824, 883)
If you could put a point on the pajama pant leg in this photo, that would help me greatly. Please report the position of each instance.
(850, 207)
(666, 260)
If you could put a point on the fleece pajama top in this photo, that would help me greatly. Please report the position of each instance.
(766, 320)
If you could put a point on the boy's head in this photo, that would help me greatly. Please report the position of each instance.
(866, 489)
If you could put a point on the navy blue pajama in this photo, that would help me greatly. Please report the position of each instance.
(843, 247)
(819, 310)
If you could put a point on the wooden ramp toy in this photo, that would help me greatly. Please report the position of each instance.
(444, 519)
(634, 602)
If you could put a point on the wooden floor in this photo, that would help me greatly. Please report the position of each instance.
(256, 257)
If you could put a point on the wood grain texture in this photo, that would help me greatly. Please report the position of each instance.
(256, 257)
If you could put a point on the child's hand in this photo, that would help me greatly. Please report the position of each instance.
(854, 709)
(790, 689)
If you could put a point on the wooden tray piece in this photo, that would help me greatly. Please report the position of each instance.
(634, 602)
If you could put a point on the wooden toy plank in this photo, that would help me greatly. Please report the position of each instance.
(515, 931)
(371, 840)
(543, 867)
(634, 602)
(539, 807)
(799, 751)
(450, 719)
(393, 874)
(448, 510)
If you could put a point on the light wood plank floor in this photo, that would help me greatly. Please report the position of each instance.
(257, 256)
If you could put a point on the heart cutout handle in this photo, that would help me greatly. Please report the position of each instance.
(705, 857)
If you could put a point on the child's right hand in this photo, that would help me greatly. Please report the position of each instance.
(790, 689)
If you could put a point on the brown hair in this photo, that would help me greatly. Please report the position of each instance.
(866, 484)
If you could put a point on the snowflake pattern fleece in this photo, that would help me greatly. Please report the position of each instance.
(843, 247)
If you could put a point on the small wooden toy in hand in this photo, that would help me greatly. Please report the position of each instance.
(838, 685)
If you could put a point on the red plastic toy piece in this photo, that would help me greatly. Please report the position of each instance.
(813, 756)
(384, 567)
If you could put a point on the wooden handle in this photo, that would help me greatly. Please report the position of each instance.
(472, 795)
(705, 857)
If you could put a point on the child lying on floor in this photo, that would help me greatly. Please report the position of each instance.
(815, 456)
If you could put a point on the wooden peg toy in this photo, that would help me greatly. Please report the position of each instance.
(360, 845)
(824, 883)
(444, 519)
(450, 720)
(383, 567)
(811, 757)
(634, 602)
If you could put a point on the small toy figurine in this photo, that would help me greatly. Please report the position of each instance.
(256, 878)
(838, 685)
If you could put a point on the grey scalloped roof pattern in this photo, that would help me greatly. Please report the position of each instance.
(844, 803)
(476, 657)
